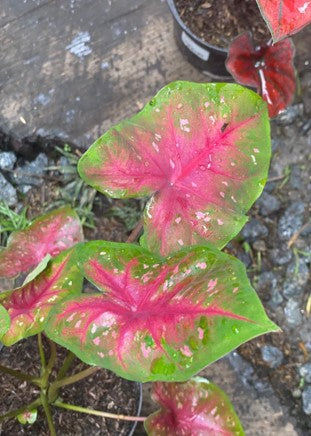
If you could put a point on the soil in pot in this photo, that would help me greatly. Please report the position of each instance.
(102, 391)
(219, 21)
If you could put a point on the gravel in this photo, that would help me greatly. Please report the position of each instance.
(7, 160)
(291, 220)
(281, 256)
(268, 204)
(7, 192)
(292, 313)
(30, 174)
(253, 230)
(272, 355)
(296, 278)
(306, 400)
(305, 372)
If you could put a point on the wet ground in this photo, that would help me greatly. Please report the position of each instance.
(71, 72)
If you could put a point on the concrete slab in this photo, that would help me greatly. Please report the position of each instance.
(72, 69)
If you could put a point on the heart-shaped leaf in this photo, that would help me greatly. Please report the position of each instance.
(158, 319)
(49, 234)
(28, 417)
(268, 68)
(194, 408)
(5, 321)
(285, 17)
(29, 306)
(203, 150)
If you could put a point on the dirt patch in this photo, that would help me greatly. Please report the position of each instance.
(219, 21)
(102, 391)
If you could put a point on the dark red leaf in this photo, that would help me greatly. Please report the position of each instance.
(49, 234)
(268, 68)
(285, 17)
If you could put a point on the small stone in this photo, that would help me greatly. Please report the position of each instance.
(31, 172)
(272, 355)
(281, 256)
(296, 393)
(267, 280)
(295, 178)
(306, 400)
(296, 278)
(7, 160)
(268, 204)
(292, 313)
(291, 220)
(290, 114)
(260, 245)
(305, 372)
(276, 298)
(253, 230)
(7, 192)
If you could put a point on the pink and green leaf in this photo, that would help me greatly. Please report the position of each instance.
(29, 306)
(4, 321)
(155, 318)
(194, 408)
(28, 417)
(268, 68)
(285, 17)
(201, 151)
(50, 234)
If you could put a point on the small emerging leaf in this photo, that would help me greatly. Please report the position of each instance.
(268, 68)
(4, 321)
(28, 417)
(285, 17)
(158, 319)
(49, 234)
(201, 151)
(194, 408)
(29, 306)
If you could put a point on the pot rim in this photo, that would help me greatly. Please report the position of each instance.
(173, 9)
(140, 402)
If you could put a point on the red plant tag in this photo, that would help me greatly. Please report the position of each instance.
(268, 68)
(285, 17)
(49, 234)
(194, 408)
(201, 150)
(158, 319)
(29, 305)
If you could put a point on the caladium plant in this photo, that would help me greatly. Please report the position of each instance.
(285, 17)
(48, 235)
(268, 68)
(200, 151)
(169, 307)
(195, 408)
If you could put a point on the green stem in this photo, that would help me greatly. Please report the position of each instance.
(41, 351)
(21, 375)
(54, 387)
(23, 409)
(66, 365)
(133, 236)
(48, 414)
(98, 412)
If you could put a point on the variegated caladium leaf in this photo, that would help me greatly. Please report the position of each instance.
(49, 234)
(29, 306)
(201, 151)
(155, 318)
(194, 408)
(267, 68)
(285, 17)
(4, 321)
(28, 417)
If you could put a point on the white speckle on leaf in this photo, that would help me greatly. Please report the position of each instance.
(222, 194)
(78, 45)
(302, 9)
(177, 220)
(180, 242)
(220, 222)
(254, 159)
(256, 150)
(156, 147)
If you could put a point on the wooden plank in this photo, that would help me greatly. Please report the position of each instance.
(72, 69)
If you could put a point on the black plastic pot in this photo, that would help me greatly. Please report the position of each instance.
(207, 58)
(139, 404)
